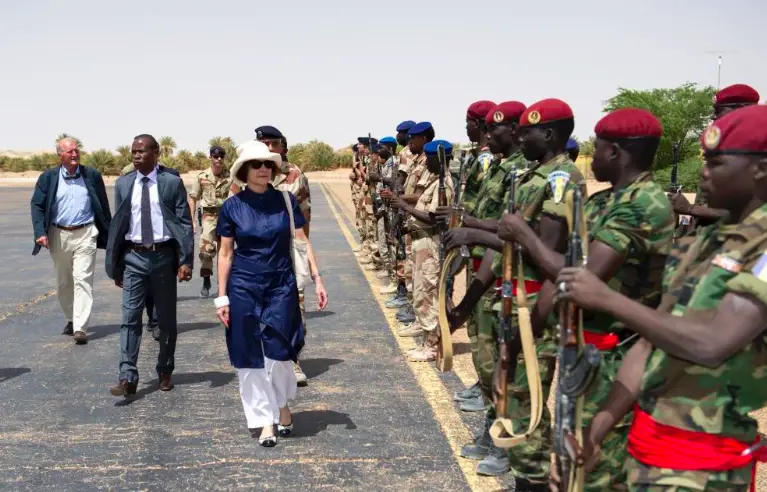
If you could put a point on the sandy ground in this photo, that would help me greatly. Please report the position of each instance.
(462, 360)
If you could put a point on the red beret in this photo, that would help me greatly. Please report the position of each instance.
(546, 111)
(506, 111)
(629, 123)
(479, 109)
(743, 131)
(736, 94)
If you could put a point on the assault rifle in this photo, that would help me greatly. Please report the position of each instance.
(441, 199)
(506, 335)
(578, 364)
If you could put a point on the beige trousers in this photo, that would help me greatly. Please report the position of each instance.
(74, 258)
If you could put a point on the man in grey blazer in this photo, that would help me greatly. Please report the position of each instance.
(150, 246)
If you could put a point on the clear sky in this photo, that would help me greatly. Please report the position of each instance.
(333, 70)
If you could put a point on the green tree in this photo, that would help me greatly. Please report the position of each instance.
(104, 161)
(344, 158)
(318, 156)
(167, 146)
(587, 147)
(296, 155)
(684, 112)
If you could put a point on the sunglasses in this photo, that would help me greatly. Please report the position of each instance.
(258, 164)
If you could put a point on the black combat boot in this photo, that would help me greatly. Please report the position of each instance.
(205, 287)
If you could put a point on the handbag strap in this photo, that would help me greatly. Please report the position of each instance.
(286, 197)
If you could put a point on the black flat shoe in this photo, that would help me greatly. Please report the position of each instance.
(268, 442)
(285, 430)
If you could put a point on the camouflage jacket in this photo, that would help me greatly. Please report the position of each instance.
(405, 160)
(297, 183)
(490, 203)
(209, 190)
(726, 258)
(541, 191)
(637, 222)
(418, 174)
(478, 166)
(429, 199)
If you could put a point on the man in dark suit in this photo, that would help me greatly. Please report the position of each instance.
(70, 218)
(151, 244)
(151, 314)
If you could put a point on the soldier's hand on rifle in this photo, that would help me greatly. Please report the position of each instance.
(386, 194)
(455, 238)
(512, 226)
(679, 203)
(590, 453)
(444, 213)
(582, 287)
(398, 203)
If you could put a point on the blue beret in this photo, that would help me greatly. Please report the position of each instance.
(405, 126)
(268, 132)
(572, 144)
(431, 147)
(420, 128)
(388, 140)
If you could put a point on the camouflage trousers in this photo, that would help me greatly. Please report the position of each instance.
(642, 478)
(425, 283)
(609, 474)
(383, 245)
(405, 267)
(487, 346)
(370, 231)
(208, 243)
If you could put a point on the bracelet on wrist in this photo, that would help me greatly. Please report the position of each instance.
(221, 301)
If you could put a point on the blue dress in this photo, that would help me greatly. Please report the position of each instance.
(265, 318)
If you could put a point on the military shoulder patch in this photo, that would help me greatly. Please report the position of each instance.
(558, 182)
(760, 269)
(485, 159)
(731, 264)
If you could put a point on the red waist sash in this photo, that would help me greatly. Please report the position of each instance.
(531, 286)
(663, 446)
(602, 341)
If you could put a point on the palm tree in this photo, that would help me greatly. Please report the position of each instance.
(167, 145)
(124, 152)
(227, 143)
(104, 161)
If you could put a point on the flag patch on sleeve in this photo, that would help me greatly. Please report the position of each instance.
(727, 263)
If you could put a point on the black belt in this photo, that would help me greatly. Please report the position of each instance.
(71, 228)
(210, 210)
(143, 249)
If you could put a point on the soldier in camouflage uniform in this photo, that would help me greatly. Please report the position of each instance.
(404, 163)
(209, 190)
(631, 231)
(726, 100)
(545, 128)
(502, 122)
(424, 231)
(699, 369)
(480, 157)
(365, 205)
(419, 135)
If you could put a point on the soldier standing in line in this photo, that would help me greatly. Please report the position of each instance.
(399, 292)
(209, 190)
(367, 231)
(545, 128)
(726, 100)
(386, 181)
(419, 136)
(423, 229)
(502, 122)
(354, 177)
(631, 231)
(699, 369)
(471, 399)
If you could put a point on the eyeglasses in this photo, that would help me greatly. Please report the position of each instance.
(258, 164)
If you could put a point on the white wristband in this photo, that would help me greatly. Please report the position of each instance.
(222, 301)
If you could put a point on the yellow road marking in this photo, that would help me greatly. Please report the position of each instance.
(438, 397)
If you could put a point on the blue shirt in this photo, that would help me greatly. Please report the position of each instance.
(73, 203)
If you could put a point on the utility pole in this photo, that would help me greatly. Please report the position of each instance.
(719, 73)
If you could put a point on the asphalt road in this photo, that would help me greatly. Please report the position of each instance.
(362, 423)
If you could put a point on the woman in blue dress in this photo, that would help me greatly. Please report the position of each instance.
(257, 293)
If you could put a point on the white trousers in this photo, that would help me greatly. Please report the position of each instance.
(74, 258)
(264, 391)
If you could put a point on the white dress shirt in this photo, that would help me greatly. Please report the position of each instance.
(158, 226)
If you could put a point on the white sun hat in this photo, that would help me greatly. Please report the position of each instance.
(253, 150)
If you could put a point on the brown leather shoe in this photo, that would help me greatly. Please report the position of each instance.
(68, 329)
(124, 388)
(80, 338)
(165, 382)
